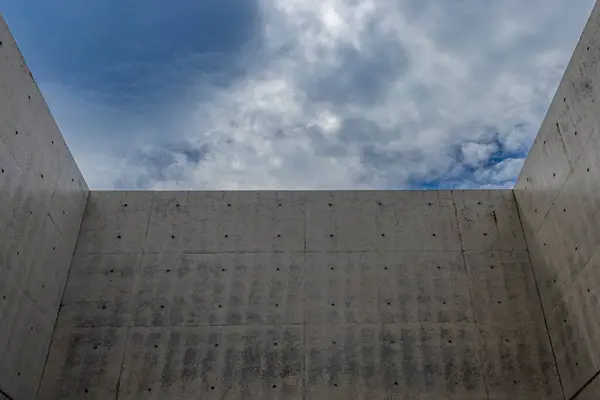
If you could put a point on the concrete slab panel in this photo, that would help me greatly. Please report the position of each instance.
(375, 361)
(544, 172)
(575, 328)
(220, 289)
(115, 222)
(10, 301)
(69, 198)
(99, 290)
(226, 362)
(84, 363)
(518, 361)
(489, 220)
(25, 354)
(591, 391)
(49, 269)
(386, 287)
(344, 221)
(503, 287)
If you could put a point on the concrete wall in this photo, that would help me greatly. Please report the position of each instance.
(42, 199)
(558, 193)
(294, 295)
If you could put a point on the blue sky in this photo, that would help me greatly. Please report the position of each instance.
(298, 94)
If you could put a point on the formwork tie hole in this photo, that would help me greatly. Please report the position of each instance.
(484, 233)
(216, 344)
(333, 342)
(277, 269)
(499, 302)
(491, 267)
(332, 304)
(172, 236)
(149, 389)
(212, 388)
(395, 383)
(385, 268)
(222, 269)
(42, 175)
(479, 203)
(156, 346)
(119, 237)
(275, 344)
(433, 234)
(588, 170)
(95, 347)
(392, 341)
(104, 307)
(162, 306)
(383, 235)
(330, 204)
(429, 204)
(177, 205)
(226, 236)
(168, 270)
(439, 267)
(276, 305)
(85, 390)
(443, 302)
(577, 364)
(229, 205)
(220, 305)
(388, 303)
(125, 205)
(278, 235)
(449, 340)
(274, 386)
(331, 235)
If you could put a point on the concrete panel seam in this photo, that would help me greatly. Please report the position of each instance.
(62, 293)
(589, 382)
(132, 301)
(464, 262)
(537, 288)
(1, 392)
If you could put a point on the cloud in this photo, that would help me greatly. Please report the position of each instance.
(345, 94)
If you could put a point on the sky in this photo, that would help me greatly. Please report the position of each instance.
(298, 94)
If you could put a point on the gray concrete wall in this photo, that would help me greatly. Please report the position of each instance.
(301, 295)
(42, 199)
(558, 193)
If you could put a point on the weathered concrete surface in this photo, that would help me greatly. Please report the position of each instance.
(313, 295)
(42, 199)
(558, 193)
(591, 391)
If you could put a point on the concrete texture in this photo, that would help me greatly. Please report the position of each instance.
(41, 206)
(558, 193)
(301, 295)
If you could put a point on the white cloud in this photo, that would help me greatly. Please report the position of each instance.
(348, 94)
